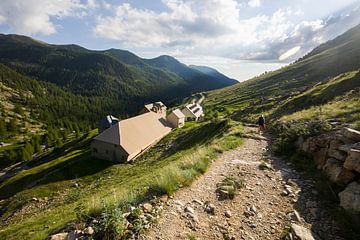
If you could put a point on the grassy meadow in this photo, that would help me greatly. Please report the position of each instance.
(72, 179)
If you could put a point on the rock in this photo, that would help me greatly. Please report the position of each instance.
(34, 199)
(73, 235)
(248, 214)
(189, 209)
(210, 208)
(301, 232)
(89, 231)
(323, 141)
(294, 216)
(192, 216)
(59, 236)
(320, 157)
(335, 171)
(147, 207)
(352, 162)
(351, 134)
(253, 225)
(164, 198)
(228, 214)
(346, 147)
(309, 146)
(198, 202)
(253, 209)
(350, 197)
(339, 155)
(335, 144)
(179, 203)
(284, 193)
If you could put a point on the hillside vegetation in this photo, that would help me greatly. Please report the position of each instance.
(326, 79)
(43, 198)
(118, 75)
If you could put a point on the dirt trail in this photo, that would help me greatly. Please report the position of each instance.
(261, 210)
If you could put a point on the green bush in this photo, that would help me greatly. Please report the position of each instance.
(111, 225)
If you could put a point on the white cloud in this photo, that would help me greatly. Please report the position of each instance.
(254, 3)
(216, 27)
(33, 16)
(289, 53)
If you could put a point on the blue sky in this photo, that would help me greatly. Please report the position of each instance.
(241, 38)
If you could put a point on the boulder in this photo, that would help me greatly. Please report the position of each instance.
(346, 147)
(147, 207)
(352, 162)
(301, 233)
(335, 144)
(73, 235)
(350, 197)
(351, 134)
(210, 208)
(335, 171)
(320, 157)
(339, 155)
(89, 231)
(309, 146)
(59, 236)
(323, 141)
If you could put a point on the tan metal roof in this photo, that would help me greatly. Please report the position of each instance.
(137, 133)
(178, 113)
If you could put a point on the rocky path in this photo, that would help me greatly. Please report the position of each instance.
(271, 201)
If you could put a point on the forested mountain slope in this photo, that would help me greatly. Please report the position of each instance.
(116, 74)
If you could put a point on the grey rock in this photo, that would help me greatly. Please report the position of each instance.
(350, 197)
(294, 216)
(189, 210)
(253, 209)
(320, 157)
(335, 171)
(352, 162)
(73, 235)
(210, 208)
(89, 231)
(351, 134)
(59, 236)
(339, 155)
(147, 207)
(301, 232)
(228, 213)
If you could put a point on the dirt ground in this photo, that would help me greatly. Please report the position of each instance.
(263, 209)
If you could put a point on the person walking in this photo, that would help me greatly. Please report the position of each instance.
(261, 123)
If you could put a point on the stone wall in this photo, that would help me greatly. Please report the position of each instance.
(337, 154)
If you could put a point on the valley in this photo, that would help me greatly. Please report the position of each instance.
(287, 183)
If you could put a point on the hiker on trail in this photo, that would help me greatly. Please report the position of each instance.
(261, 123)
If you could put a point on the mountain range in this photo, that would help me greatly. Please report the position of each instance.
(109, 82)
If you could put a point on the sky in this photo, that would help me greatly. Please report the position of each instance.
(241, 38)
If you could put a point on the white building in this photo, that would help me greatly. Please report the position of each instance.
(193, 112)
(176, 118)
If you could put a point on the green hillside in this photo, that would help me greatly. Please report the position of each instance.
(322, 77)
(116, 74)
(46, 196)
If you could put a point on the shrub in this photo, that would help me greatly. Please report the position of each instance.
(111, 225)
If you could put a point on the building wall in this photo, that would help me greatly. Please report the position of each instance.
(108, 151)
(175, 121)
(189, 116)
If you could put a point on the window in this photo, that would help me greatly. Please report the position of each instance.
(107, 152)
(95, 150)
